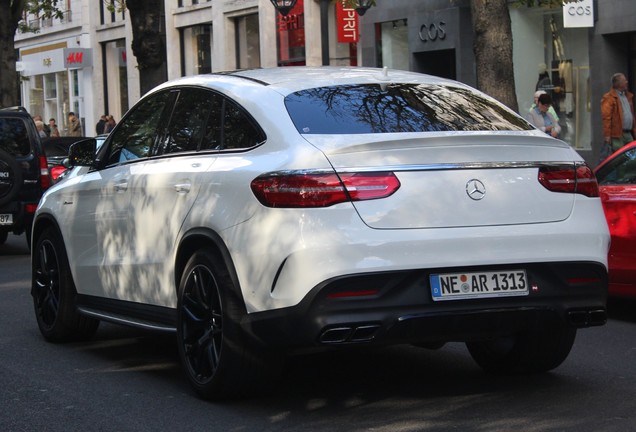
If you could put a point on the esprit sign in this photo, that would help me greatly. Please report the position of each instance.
(76, 58)
(578, 14)
(347, 22)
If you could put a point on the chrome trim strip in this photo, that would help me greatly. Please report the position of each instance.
(432, 167)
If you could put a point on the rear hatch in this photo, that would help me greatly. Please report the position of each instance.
(454, 180)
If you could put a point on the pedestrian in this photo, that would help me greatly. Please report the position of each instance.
(39, 125)
(101, 124)
(74, 127)
(534, 105)
(542, 119)
(46, 129)
(55, 132)
(617, 113)
(110, 124)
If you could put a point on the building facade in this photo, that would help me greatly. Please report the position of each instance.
(83, 62)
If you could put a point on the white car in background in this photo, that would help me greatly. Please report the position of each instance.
(268, 211)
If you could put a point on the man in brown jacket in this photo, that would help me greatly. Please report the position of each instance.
(617, 111)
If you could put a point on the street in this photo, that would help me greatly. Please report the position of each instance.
(129, 380)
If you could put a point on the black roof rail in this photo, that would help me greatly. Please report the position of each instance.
(15, 108)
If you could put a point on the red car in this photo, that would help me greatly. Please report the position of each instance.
(617, 185)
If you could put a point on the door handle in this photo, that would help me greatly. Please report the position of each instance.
(182, 188)
(121, 187)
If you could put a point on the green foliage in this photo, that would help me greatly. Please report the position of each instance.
(41, 9)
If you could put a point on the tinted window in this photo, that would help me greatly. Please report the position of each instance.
(136, 133)
(620, 170)
(189, 118)
(230, 128)
(14, 138)
(386, 108)
(238, 131)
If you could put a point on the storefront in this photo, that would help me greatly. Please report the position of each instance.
(53, 78)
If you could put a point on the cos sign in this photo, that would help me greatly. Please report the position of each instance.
(578, 14)
(432, 32)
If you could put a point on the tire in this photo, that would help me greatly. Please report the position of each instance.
(537, 350)
(219, 360)
(54, 292)
(4, 235)
(11, 182)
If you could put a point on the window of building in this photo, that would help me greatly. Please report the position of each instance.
(291, 36)
(196, 43)
(555, 59)
(116, 78)
(248, 47)
(392, 44)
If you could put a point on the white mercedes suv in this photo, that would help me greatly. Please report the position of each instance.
(265, 212)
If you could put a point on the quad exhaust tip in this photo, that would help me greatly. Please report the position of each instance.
(587, 318)
(349, 334)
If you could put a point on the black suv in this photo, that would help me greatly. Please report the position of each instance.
(24, 173)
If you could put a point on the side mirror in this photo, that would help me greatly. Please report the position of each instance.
(82, 153)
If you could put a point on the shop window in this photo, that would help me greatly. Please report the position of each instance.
(196, 43)
(248, 49)
(392, 44)
(291, 36)
(549, 57)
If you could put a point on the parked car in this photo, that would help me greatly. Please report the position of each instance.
(23, 172)
(617, 185)
(57, 151)
(272, 211)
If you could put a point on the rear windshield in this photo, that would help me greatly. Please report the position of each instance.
(14, 138)
(387, 108)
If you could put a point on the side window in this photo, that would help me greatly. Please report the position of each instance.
(213, 139)
(136, 133)
(14, 138)
(229, 127)
(187, 125)
(239, 131)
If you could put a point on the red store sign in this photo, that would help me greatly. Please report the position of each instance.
(347, 23)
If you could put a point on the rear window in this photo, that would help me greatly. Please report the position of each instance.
(388, 108)
(14, 138)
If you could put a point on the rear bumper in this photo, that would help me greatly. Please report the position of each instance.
(397, 307)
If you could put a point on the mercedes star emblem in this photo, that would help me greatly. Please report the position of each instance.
(475, 189)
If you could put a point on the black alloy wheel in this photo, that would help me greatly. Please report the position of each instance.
(218, 358)
(54, 293)
(202, 324)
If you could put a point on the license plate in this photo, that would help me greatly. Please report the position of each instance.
(6, 219)
(458, 286)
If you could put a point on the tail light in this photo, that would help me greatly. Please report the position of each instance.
(569, 179)
(304, 190)
(45, 180)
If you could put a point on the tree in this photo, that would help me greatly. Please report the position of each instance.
(493, 50)
(11, 14)
(148, 46)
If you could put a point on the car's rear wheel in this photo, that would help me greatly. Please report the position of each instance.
(219, 360)
(537, 350)
(54, 292)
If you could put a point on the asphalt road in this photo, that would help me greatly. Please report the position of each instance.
(129, 380)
